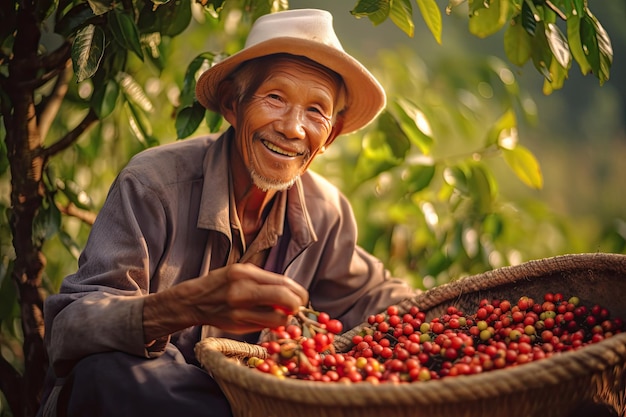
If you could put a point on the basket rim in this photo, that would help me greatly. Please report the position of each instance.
(532, 375)
(525, 271)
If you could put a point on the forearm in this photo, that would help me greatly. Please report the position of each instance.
(166, 312)
(239, 298)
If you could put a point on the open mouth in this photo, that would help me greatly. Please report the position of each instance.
(278, 150)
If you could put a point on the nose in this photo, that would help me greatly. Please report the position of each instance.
(292, 123)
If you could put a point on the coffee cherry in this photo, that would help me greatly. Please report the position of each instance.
(399, 347)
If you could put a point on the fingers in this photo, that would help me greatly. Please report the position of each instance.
(245, 294)
(253, 286)
(243, 298)
(247, 320)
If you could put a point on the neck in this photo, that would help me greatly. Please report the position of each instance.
(251, 201)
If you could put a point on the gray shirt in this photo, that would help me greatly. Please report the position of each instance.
(169, 216)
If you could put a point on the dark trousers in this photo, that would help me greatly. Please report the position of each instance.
(118, 384)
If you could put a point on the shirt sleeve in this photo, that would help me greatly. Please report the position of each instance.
(100, 307)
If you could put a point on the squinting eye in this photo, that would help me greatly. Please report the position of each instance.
(274, 96)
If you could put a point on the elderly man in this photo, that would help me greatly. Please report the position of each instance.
(220, 236)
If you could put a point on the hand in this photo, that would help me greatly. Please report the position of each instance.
(238, 298)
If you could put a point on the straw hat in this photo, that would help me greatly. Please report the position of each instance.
(309, 33)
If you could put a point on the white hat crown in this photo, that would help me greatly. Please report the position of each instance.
(310, 24)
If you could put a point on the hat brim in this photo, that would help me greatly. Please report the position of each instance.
(365, 96)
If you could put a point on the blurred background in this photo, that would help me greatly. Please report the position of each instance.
(578, 134)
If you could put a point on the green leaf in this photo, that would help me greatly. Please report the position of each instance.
(579, 6)
(172, 18)
(437, 263)
(529, 17)
(214, 121)
(517, 44)
(397, 141)
(376, 11)
(139, 124)
(504, 132)
(188, 120)
(481, 188)
(541, 53)
(125, 31)
(590, 43)
(558, 45)
(486, 21)
(376, 156)
(493, 225)
(87, 51)
(199, 64)
(181, 19)
(47, 221)
(402, 15)
(409, 117)
(418, 177)
(603, 48)
(70, 244)
(455, 177)
(524, 165)
(557, 79)
(104, 98)
(113, 61)
(575, 44)
(76, 17)
(133, 91)
(432, 16)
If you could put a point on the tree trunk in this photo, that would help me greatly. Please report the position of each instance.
(24, 147)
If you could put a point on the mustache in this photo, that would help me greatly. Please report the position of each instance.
(281, 141)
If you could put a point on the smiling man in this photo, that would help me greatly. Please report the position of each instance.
(220, 236)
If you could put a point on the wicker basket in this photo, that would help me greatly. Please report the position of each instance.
(554, 387)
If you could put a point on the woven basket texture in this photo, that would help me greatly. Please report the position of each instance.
(552, 387)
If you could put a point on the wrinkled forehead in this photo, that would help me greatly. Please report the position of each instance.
(258, 70)
(263, 66)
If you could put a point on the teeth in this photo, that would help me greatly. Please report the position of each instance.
(278, 150)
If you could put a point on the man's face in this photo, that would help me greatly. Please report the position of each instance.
(285, 123)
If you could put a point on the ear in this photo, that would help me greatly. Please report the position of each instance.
(228, 107)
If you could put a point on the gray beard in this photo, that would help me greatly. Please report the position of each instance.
(265, 184)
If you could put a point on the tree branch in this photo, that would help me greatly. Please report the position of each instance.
(85, 216)
(53, 104)
(556, 10)
(71, 137)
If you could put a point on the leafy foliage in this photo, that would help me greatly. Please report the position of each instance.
(430, 214)
(531, 28)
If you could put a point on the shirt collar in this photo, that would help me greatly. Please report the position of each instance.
(215, 205)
